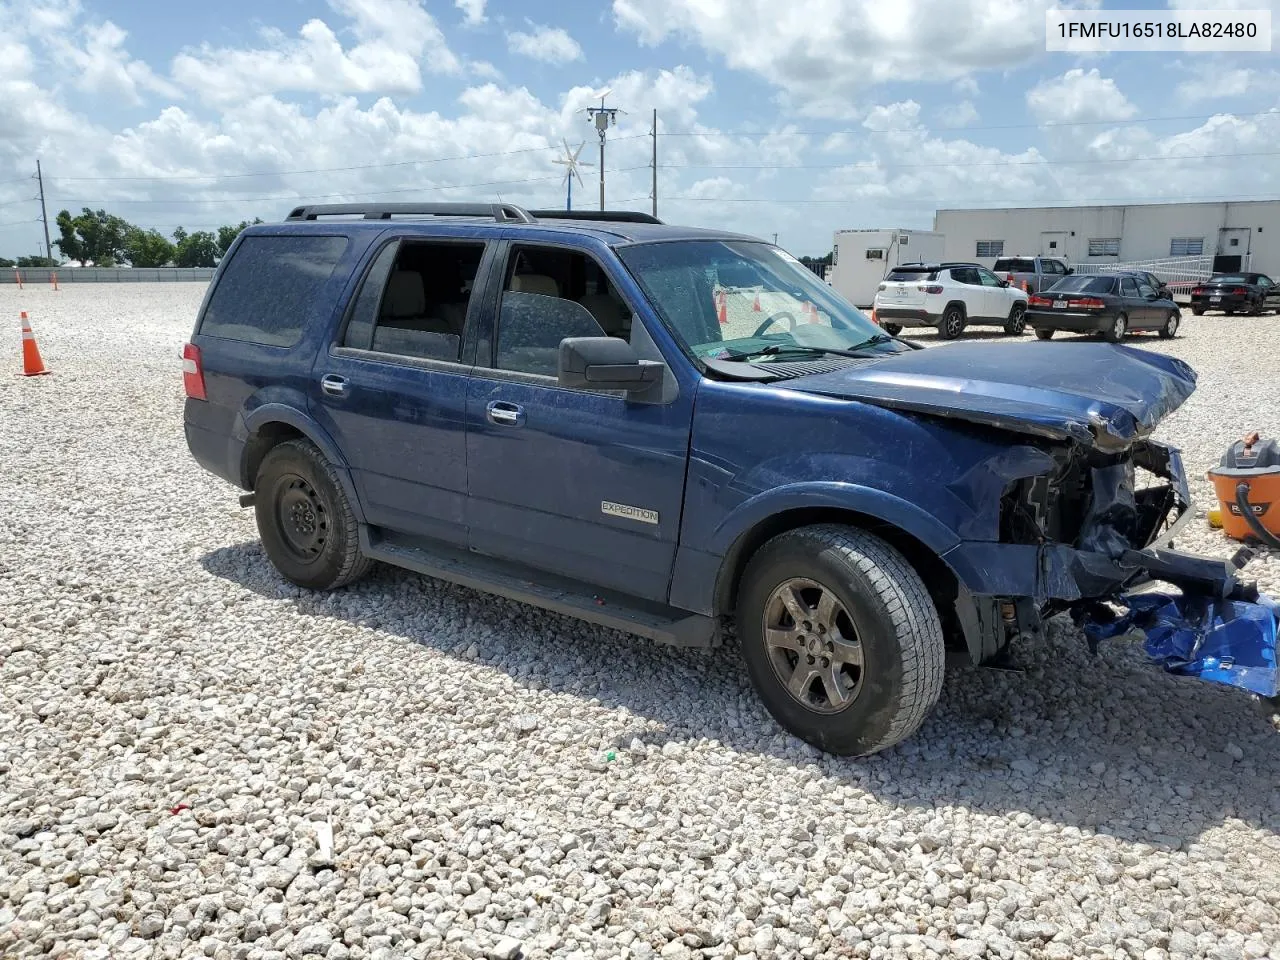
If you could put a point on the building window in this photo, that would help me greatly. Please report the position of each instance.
(1186, 247)
(1104, 247)
(990, 248)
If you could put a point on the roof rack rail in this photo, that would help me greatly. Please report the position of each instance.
(614, 216)
(501, 212)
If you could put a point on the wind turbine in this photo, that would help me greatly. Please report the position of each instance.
(571, 163)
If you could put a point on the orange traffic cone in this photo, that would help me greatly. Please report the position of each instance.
(18, 276)
(755, 307)
(723, 312)
(53, 278)
(32, 365)
(873, 317)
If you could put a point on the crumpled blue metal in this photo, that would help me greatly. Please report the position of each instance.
(1224, 641)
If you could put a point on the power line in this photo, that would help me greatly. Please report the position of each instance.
(952, 163)
(1004, 202)
(291, 173)
(863, 131)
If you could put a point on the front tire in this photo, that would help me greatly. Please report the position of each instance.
(1118, 329)
(1170, 328)
(306, 523)
(1044, 333)
(1017, 321)
(952, 323)
(841, 638)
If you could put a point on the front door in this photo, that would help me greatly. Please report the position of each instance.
(392, 390)
(997, 300)
(583, 484)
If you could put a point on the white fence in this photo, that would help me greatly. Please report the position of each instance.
(1179, 273)
(43, 276)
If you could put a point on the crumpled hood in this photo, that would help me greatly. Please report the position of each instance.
(1104, 395)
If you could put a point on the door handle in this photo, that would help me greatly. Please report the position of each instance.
(334, 385)
(505, 414)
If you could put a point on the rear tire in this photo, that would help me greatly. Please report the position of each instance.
(892, 329)
(1171, 324)
(1118, 329)
(864, 618)
(1017, 322)
(1198, 311)
(952, 323)
(306, 523)
(1044, 333)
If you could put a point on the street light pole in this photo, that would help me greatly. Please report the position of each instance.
(603, 117)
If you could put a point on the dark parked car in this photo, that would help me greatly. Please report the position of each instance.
(1113, 305)
(546, 406)
(1236, 293)
(1154, 282)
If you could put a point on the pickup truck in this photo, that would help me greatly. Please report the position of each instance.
(1033, 274)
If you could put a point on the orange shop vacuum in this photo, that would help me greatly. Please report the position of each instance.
(1247, 482)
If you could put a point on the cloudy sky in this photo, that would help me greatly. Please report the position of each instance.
(794, 117)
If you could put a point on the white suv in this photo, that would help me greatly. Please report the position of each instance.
(949, 296)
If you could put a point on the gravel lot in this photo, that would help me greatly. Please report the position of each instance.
(198, 760)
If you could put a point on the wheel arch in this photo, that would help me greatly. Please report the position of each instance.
(939, 578)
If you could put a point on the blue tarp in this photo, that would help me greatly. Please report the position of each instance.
(1223, 641)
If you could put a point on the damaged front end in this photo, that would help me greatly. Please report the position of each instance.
(1091, 534)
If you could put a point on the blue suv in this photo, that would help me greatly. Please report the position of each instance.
(666, 430)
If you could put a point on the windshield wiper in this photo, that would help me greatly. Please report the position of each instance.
(778, 349)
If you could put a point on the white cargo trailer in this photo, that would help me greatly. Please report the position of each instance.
(861, 258)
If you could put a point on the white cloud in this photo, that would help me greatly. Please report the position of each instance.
(962, 114)
(1221, 79)
(1078, 95)
(824, 52)
(105, 67)
(472, 10)
(548, 44)
(394, 38)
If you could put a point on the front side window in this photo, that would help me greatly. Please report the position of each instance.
(269, 289)
(1146, 290)
(550, 294)
(414, 301)
(988, 279)
(735, 299)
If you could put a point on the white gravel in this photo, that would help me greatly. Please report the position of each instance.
(198, 760)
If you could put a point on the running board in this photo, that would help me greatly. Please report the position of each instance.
(515, 581)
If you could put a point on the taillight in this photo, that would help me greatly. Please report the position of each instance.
(192, 372)
(931, 288)
(1089, 303)
(1239, 292)
(1038, 301)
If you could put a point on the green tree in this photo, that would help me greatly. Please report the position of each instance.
(93, 235)
(199, 249)
(148, 248)
(6, 262)
(37, 261)
(227, 235)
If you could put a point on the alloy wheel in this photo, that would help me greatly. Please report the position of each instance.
(813, 645)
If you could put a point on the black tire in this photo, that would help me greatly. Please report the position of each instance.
(881, 601)
(1256, 309)
(1118, 330)
(1171, 324)
(1044, 333)
(304, 519)
(1198, 311)
(892, 329)
(1017, 322)
(952, 323)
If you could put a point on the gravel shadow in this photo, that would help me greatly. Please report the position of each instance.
(1107, 744)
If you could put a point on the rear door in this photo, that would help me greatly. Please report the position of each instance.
(1136, 309)
(968, 287)
(1270, 292)
(1154, 312)
(579, 483)
(392, 386)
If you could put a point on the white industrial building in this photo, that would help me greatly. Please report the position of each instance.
(1235, 235)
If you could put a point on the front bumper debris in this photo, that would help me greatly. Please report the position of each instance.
(1221, 640)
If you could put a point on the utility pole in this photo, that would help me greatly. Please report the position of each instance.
(655, 163)
(603, 117)
(44, 217)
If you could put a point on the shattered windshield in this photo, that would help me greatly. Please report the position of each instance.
(750, 301)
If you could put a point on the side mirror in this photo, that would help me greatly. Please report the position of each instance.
(1004, 283)
(605, 363)
(1070, 270)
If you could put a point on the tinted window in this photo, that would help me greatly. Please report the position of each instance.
(1128, 288)
(1146, 290)
(1014, 265)
(1084, 284)
(912, 273)
(1230, 278)
(364, 312)
(1053, 266)
(965, 275)
(270, 287)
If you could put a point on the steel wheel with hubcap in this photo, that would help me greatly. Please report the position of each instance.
(1119, 327)
(841, 638)
(1170, 328)
(952, 325)
(1017, 321)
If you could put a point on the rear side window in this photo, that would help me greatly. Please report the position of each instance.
(270, 287)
